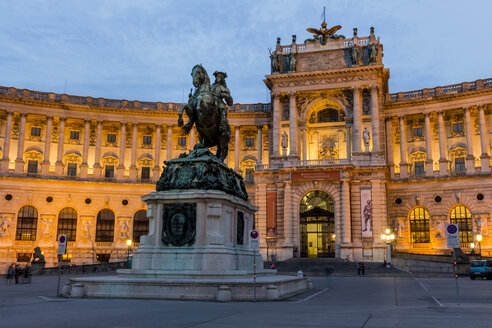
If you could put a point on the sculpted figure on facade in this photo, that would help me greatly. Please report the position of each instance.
(274, 62)
(366, 136)
(292, 62)
(355, 55)
(4, 225)
(124, 230)
(205, 110)
(481, 225)
(285, 140)
(373, 54)
(439, 228)
(46, 227)
(86, 229)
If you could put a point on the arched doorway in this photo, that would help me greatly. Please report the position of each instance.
(317, 213)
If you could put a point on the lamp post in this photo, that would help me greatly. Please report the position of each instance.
(129, 244)
(479, 240)
(388, 237)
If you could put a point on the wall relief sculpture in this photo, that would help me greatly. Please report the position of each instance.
(179, 227)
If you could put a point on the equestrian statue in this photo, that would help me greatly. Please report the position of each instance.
(207, 110)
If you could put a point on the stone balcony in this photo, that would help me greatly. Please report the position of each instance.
(316, 163)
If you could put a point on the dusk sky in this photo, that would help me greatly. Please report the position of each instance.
(144, 50)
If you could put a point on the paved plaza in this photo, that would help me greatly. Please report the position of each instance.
(355, 301)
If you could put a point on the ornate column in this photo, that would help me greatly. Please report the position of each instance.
(484, 142)
(470, 159)
(85, 151)
(356, 129)
(345, 211)
(403, 149)
(133, 166)
(375, 119)
(121, 166)
(192, 139)
(292, 124)
(277, 117)
(259, 145)
(236, 148)
(157, 167)
(45, 165)
(348, 141)
(96, 173)
(6, 143)
(389, 145)
(429, 163)
(19, 161)
(169, 142)
(304, 144)
(443, 154)
(61, 145)
(288, 215)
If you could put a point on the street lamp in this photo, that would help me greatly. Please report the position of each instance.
(388, 237)
(479, 239)
(129, 244)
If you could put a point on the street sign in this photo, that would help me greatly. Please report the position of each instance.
(254, 240)
(62, 244)
(453, 235)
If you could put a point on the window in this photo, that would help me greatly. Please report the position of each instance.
(27, 223)
(327, 115)
(419, 167)
(182, 141)
(23, 257)
(459, 164)
(35, 132)
(74, 135)
(419, 225)
(32, 167)
(140, 225)
(145, 173)
(67, 223)
(147, 140)
(417, 132)
(103, 258)
(109, 171)
(458, 127)
(111, 138)
(249, 176)
(250, 142)
(105, 226)
(461, 216)
(72, 170)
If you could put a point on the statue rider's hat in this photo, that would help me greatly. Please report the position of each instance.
(224, 74)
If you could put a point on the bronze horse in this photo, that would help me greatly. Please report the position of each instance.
(204, 111)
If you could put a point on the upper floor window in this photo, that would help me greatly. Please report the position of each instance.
(74, 135)
(417, 132)
(27, 223)
(35, 132)
(109, 171)
(72, 169)
(32, 167)
(459, 164)
(111, 138)
(182, 141)
(250, 142)
(458, 127)
(419, 167)
(249, 176)
(327, 115)
(145, 173)
(147, 140)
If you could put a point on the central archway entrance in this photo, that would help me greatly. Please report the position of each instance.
(317, 214)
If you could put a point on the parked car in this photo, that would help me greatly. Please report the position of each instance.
(481, 269)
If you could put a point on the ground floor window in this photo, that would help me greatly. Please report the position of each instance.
(419, 225)
(461, 216)
(103, 258)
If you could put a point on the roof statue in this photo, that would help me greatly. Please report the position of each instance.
(323, 33)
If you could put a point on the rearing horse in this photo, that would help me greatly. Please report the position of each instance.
(203, 111)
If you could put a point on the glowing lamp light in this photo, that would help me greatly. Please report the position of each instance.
(479, 238)
(472, 245)
(388, 231)
(128, 242)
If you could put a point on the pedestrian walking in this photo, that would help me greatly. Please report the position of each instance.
(358, 268)
(10, 274)
(363, 267)
(27, 273)
(17, 273)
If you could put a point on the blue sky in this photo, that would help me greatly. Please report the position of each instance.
(145, 50)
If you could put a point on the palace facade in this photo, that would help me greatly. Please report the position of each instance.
(331, 163)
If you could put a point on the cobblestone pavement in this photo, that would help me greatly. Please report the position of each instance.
(335, 302)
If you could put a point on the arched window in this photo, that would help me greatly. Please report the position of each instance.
(327, 115)
(27, 223)
(462, 217)
(419, 225)
(67, 223)
(140, 225)
(105, 226)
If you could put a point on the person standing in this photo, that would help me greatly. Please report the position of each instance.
(10, 274)
(363, 267)
(17, 274)
(358, 268)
